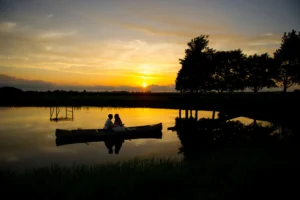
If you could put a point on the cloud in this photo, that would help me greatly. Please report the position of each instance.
(221, 37)
(67, 51)
(158, 31)
(38, 85)
(50, 15)
(267, 34)
(7, 26)
(249, 44)
(53, 34)
(24, 84)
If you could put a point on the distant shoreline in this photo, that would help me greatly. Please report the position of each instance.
(263, 101)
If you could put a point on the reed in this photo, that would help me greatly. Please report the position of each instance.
(211, 177)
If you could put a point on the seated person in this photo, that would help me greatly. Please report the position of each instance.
(118, 121)
(108, 124)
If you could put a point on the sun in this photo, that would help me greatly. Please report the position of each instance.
(144, 85)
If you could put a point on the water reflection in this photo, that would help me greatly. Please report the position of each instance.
(27, 137)
(113, 142)
(57, 114)
(207, 136)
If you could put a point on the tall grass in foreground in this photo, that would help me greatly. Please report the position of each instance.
(213, 178)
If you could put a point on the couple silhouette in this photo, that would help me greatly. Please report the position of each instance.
(109, 124)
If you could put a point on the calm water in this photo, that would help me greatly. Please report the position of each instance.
(27, 136)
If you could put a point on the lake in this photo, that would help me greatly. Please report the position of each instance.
(27, 136)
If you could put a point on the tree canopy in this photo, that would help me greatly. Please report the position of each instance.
(196, 71)
(287, 58)
(205, 69)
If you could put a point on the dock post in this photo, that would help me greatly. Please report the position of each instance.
(180, 113)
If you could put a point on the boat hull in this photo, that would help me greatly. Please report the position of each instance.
(87, 139)
(127, 132)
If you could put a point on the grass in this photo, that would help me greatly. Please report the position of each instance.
(228, 174)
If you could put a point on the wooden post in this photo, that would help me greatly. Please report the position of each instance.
(191, 113)
(196, 114)
(180, 113)
(186, 113)
(213, 116)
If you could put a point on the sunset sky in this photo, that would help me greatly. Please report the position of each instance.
(129, 42)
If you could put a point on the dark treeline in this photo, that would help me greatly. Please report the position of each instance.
(205, 69)
(265, 101)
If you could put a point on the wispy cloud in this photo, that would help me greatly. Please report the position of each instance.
(249, 44)
(67, 52)
(158, 31)
(141, 40)
(7, 26)
(267, 34)
(56, 35)
(221, 37)
(49, 16)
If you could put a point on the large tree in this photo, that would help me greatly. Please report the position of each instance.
(196, 71)
(229, 71)
(288, 59)
(259, 72)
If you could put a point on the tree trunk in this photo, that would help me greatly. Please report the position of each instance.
(285, 85)
(254, 122)
(180, 113)
(255, 90)
(284, 88)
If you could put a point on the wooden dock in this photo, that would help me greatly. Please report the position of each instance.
(55, 111)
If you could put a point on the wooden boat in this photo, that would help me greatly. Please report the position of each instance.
(128, 131)
(86, 139)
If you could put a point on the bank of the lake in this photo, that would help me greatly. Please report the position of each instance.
(264, 101)
(234, 175)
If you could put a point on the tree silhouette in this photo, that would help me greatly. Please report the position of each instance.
(204, 69)
(288, 58)
(259, 72)
(196, 71)
(229, 71)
